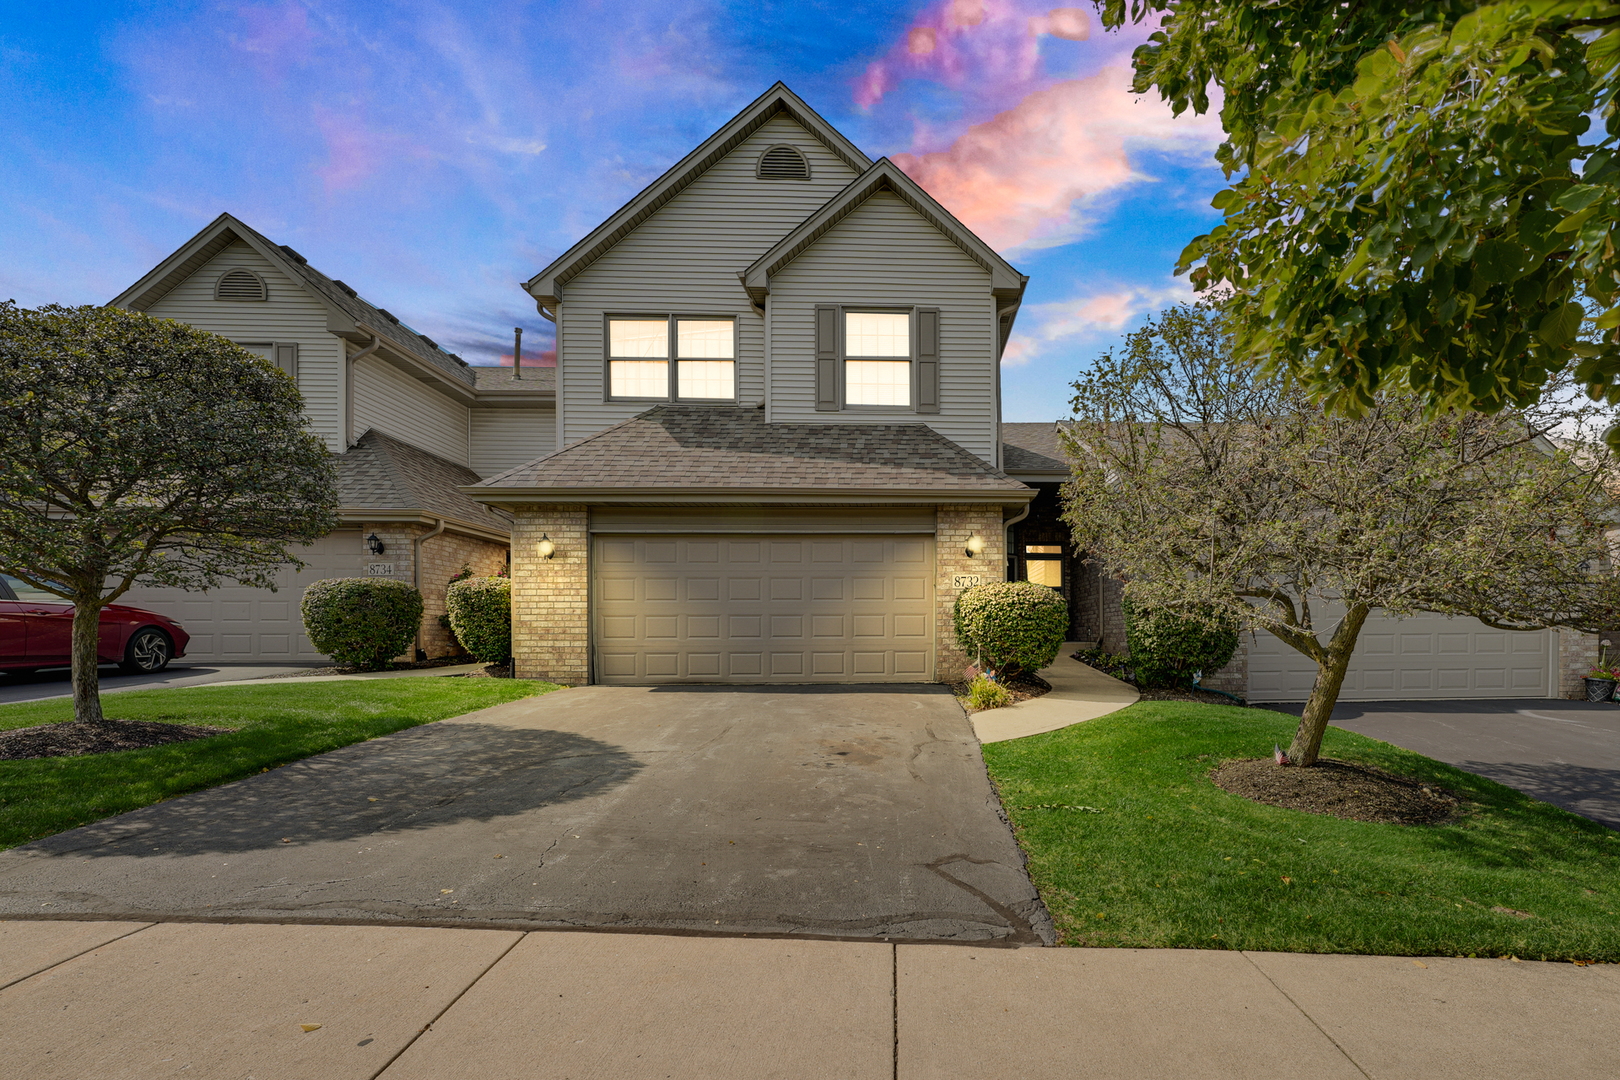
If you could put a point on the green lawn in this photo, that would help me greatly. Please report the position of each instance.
(271, 724)
(1172, 861)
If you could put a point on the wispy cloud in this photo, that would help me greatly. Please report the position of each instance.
(1085, 315)
(1024, 177)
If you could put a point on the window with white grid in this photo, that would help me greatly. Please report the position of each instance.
(642, 348)
(877, 358)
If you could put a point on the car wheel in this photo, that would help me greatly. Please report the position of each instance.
(148, 651)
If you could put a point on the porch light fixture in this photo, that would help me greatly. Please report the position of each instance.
(375, 545)
(545, 547)
(975, 545)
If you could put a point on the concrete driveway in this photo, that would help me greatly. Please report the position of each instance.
(855, 812)
(1563, 752)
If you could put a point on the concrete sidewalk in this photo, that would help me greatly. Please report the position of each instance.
(1079, 693)
(102, 999)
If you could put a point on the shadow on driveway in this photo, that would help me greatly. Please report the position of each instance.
(419, 779)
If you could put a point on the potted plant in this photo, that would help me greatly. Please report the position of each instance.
(1600, 683)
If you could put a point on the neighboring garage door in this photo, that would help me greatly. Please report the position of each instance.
(788, 609)
(238, 625)
(1424, 656)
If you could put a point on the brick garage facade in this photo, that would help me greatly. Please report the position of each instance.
(550, 618)
(1577, 654)
(953, 526)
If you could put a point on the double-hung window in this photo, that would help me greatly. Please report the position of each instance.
(671, 358)
(877, 358)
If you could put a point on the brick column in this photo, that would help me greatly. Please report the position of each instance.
(550, 631)
(952, 527)
(1577, 654)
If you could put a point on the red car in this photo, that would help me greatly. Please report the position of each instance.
(36, 630)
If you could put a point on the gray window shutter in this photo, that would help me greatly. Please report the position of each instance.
(928, 360)
(287, 359)
(826, 358)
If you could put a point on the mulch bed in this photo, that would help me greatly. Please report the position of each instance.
(1022, 686)
(75, 738)
(488, 671)
(1204, 697)
(1340, 789)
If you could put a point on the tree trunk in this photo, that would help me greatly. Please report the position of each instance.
(86, 674)
(1307, 744)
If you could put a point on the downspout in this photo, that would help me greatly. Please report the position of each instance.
(348, 389)
(416, 576)
(1006, 528)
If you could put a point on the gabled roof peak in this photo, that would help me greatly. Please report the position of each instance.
(545, 285)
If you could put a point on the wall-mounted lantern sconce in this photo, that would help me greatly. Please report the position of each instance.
(545, 547)
(975, 545)
(375, 545)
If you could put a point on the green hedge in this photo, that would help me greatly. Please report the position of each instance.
(480, 612)
(1168, 648)
(362, 622)
(1012, 625)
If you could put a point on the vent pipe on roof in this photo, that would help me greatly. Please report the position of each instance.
(517, 352)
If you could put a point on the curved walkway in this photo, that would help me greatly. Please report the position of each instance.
(1079, 693)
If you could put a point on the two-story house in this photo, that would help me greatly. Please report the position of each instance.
(779, 450)
(410, 423)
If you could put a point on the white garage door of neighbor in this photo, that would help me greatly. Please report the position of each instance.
(238, 625)
(746, 609)
(1422, 656)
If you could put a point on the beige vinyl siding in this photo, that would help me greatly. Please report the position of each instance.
(290, 314)
(684, 260)
(505, 438)
(393, 403)
(886, 254)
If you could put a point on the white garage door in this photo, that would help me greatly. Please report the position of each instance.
(237, 625)
(789, 609)
(1424, 656)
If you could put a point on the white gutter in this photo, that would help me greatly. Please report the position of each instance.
(348, 389)
(1006, 529)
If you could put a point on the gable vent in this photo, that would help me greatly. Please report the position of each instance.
(782, 163)
(240, 284)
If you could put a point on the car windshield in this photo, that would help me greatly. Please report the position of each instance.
(30, 595)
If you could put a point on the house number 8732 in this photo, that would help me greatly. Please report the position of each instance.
(966, 581)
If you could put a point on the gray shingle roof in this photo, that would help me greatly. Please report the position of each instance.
(381, 473)
(683, 448)
(499, 379)
(1032, 448)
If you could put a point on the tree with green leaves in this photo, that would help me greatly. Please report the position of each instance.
(137, 450)
(1421, 198)
(1226, 497)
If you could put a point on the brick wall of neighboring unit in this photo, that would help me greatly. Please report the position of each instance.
(1577, 654)
(442, 558)
(550, 630)
(953, 526)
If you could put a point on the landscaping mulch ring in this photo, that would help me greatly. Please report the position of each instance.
(488, 671)
(1340, 789)
(1022, 686)
(398, 665)
(73, 738)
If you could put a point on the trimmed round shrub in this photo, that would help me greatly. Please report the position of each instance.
(362, 622)
(480, 612)
(1012, 625)
(1168, 647)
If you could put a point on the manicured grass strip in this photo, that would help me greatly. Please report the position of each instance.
(1172, 861)
(271, 725)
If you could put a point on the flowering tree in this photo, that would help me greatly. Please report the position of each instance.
(1210, 490)
(136, 450)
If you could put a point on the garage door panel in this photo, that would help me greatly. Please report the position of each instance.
(833, 609)
(1421, 656)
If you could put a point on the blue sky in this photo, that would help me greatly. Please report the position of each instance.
(433, 155)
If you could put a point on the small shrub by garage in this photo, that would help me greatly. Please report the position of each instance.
(480, 612)
(1168, 647)
(362, 622)
(1012, 625)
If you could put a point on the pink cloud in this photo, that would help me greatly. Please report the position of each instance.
(274, 36)
(355, 150)
(990, 48)
(548, 358)
(1042, 325)
(1015, 179)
